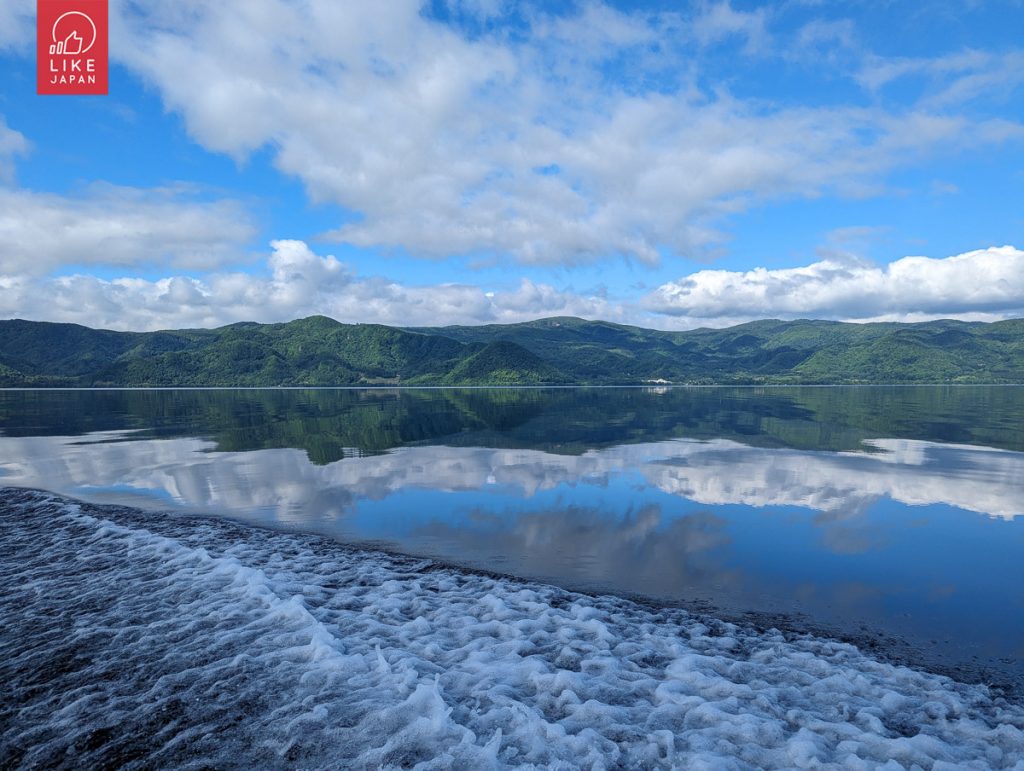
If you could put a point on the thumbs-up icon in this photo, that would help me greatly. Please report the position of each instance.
(72, 44)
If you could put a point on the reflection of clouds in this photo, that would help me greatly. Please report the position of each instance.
(59, 463)
(847, 531)
(917, 473)
(284, 482)
(609, 522)
(641, 552)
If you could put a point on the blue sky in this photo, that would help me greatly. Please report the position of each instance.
(661, 163)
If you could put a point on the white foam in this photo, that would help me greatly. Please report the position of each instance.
(138, 639)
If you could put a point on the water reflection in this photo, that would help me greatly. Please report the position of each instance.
(333, 424)
(786, 500)
(642, 552)
(290, 488)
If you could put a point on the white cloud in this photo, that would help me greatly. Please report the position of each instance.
(952, 79)
(718, 21)
(496, 144)
(12, 144)
(296, 283)
(879, 71)
(983, 284)
(510, 145)
(492, 144)
(122, 226)
(17, 28)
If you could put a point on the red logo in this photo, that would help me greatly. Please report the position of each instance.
(71, 47)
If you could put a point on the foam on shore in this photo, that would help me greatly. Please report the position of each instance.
(141, 639)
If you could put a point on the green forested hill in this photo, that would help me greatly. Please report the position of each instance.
(503, 363)
(321, 352)
(770, 351)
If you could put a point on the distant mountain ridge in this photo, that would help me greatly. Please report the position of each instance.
(318, 351)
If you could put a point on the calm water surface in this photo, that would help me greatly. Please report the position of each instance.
(894, 515)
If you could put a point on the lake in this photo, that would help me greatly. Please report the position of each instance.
(477, 578)
(890, 516)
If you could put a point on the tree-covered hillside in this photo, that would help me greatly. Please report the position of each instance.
(318, 351)
(771, 351)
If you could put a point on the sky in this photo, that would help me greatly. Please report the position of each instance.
(666, 164)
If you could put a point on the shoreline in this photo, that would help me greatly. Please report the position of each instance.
(886, 647)
(140, 639)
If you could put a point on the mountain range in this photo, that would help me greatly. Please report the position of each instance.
(318, 351)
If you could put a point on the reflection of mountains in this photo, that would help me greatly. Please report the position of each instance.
(717, 472)
(330, 425)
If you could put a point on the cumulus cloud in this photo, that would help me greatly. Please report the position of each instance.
(296, 283)
(111, 225)
(983, 284)
(498, 144)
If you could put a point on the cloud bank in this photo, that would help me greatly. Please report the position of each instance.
(986, 283)
(119, 226)
(296, 283)
(520, 144)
